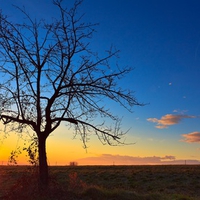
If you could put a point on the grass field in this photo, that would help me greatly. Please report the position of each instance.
(179, 182)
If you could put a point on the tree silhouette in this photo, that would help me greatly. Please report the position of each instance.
(49, 75)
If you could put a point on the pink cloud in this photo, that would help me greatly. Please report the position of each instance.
(109, 159)
(168, 158)
(193, 137)
(168, 120)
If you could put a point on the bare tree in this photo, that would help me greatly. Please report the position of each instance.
(49, 75)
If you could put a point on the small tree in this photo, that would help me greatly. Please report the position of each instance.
(49, 75)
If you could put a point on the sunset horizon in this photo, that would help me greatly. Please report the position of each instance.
(161, 42)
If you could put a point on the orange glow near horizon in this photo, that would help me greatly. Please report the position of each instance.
(63, 149)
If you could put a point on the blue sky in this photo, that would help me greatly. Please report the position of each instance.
(161, 41)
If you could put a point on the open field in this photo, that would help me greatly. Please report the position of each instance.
(181, 182)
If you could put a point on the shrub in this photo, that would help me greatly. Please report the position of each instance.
(75, 184)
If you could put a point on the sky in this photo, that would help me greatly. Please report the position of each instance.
(161, 41)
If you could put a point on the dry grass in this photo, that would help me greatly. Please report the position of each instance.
(104, 182)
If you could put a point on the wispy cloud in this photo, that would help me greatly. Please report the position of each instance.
(168, 158)
(168, 120)
(109, 159)
(180, 111)
(193, 137)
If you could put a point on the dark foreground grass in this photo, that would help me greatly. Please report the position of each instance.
(103, 182)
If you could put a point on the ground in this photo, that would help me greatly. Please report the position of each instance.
(181, 182)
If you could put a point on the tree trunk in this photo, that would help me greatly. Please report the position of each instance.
(43, 167)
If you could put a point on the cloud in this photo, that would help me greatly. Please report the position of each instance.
(168, 158)
(193, 137)
(109, 159)
(168, 120)
(180, 111)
